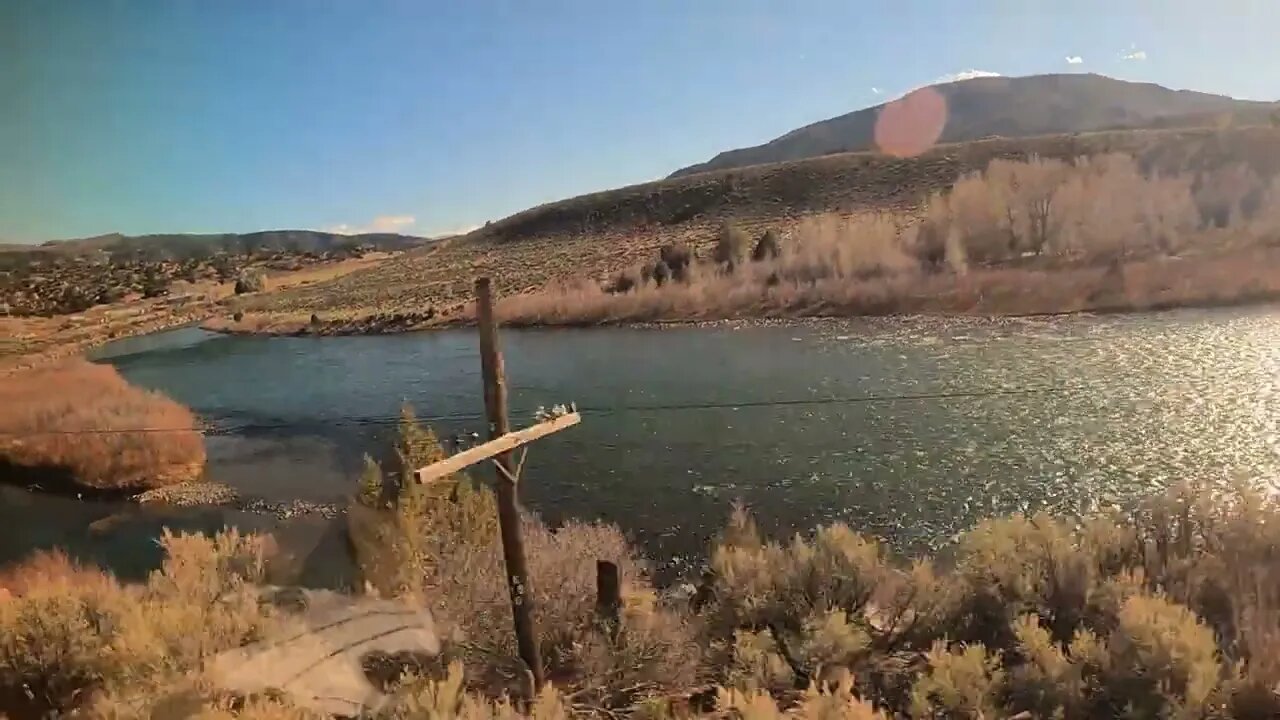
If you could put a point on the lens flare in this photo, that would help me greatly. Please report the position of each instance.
(911, 124)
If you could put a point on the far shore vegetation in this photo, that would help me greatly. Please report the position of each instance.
(1167, 610)
(30, 338)
(1023, 237)
(1101, 233)
(79, 427)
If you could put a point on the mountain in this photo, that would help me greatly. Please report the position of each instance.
(188, 246)
(1012, 107)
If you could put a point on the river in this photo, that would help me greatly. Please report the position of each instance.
(910, 429)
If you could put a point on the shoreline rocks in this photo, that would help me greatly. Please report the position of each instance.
(188, 494)
(209, 494)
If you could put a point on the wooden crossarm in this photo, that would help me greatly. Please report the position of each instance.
(496, 446)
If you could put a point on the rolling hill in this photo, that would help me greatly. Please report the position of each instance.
(179, 246)
(1011, 107)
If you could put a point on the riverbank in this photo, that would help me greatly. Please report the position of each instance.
(1246, 276)
(33, 341)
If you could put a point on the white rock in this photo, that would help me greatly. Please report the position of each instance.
(316, 658)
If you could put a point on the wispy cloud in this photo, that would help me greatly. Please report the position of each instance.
(380, 224)
(450, 232)
(1134, 54)
(948, 78)
(1074, 59)
(392, 223)
(966, 75)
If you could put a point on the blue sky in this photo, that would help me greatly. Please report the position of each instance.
(424, 117)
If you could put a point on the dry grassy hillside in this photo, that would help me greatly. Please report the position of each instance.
(590, 237)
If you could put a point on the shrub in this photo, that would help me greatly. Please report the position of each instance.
(109, 295)
(1227, 194)
(251, 280)
(82, 424)
(661, 272)
(439, 542)
(400, 530)
(768, 247)
(960, 685)
(372, 487)
(655, 650)
(846, 249)
(155, 284)
(446, 698)
(732, 245)
(677, 257)
(69, 635)
(1162, 660)
(1167, 611)
(623, 283)
(837, 703)
(929, 244)
(1139, 615)
(815, 599)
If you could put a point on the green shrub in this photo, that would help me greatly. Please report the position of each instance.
(372, 488)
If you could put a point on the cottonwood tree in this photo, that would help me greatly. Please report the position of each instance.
(1030, 188)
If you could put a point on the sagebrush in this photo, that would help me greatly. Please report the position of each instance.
(1168, 610)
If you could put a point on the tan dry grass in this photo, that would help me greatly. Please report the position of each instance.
(84, 425)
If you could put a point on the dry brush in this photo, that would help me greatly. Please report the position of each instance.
(80, 426)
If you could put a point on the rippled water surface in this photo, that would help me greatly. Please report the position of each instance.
(910, 429)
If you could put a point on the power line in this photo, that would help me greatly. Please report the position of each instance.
(853, 400)
(383, 421)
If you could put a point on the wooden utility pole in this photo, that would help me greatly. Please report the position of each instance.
(495, 406)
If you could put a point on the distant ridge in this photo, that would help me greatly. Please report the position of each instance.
(182, 246)
(1011, 107)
